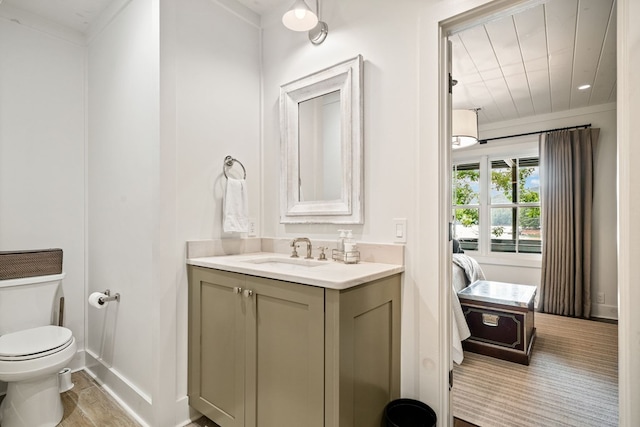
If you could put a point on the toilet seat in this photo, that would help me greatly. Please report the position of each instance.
(34, 343)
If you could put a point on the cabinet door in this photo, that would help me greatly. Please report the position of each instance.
(369, 340)
(217, 346)
(285, 354)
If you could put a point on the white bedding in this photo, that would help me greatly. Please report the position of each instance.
(466, 270)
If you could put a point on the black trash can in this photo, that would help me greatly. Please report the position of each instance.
(408, 413)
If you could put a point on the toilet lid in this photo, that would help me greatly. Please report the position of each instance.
(34, 343)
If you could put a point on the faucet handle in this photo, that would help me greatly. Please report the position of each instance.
(322, 256)
(294, 252)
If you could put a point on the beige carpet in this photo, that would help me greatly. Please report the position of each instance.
(572, 379)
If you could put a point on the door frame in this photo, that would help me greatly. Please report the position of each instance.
(629, 368)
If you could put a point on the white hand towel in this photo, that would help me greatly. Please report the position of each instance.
(236, 207)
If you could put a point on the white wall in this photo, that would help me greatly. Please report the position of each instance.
(604, 257)
(123, 181)
(217, 113)
(399, 43)
(174, 87)
(387, 41)
(385, 33)
(42, 149)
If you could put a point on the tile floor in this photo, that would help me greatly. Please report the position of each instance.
(202, 422)
(88, 405)
(457, 422)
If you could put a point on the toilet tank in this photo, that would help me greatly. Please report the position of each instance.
(29, 302)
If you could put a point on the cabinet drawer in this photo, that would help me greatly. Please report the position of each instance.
(496, 327)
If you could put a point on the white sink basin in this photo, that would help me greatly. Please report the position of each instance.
(290, 264)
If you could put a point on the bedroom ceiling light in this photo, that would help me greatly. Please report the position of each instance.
(464, 128)
(300, 17)
(584, 87)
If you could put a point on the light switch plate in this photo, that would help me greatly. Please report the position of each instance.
(253, 232)
(400, 230)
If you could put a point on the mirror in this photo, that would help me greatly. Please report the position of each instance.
(319, 145)
(321, 152)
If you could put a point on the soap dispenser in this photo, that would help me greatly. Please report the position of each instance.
(349, 243)
(341, 239)
(351, 254)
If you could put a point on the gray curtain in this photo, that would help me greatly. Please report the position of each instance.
(566, 176)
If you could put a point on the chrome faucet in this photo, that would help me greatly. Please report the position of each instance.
(294, 253)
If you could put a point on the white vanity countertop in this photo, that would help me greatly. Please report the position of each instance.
(327, 274)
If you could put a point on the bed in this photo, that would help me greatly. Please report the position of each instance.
(466, 270)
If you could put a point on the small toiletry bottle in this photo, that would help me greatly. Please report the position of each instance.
(350, 248)
(340, 241)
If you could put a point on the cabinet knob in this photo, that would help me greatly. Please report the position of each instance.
(248, 292)
(237, 289)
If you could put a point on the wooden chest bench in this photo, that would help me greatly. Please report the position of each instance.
(501, 319)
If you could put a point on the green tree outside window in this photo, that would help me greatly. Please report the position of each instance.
(511, 186)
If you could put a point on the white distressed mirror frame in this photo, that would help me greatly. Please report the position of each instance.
(347, 78)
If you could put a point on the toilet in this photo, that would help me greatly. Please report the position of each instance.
(32, 351)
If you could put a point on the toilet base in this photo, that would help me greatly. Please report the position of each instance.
(32, 403)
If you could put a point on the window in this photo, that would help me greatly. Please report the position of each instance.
(515, 205)
(498, 201)
(466, 208)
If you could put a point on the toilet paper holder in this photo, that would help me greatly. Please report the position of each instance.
(115, 297)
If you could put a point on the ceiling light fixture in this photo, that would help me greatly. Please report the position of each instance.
(300, 17)
(584, 87)
(464, 128)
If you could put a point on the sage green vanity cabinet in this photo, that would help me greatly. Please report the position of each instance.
(269, 353)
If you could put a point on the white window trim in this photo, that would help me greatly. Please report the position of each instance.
(484, 156)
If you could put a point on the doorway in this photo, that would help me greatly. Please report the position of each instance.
(490, 12)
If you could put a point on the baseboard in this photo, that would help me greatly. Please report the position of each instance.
(133, 400)
(604, 311)
(129, 397)
(185, 414)
(78, 362)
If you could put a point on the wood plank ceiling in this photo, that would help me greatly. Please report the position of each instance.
(532, 62)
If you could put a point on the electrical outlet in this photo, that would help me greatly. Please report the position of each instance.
(600, 299)
(252, 228)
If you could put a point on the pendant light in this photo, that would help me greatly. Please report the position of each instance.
(464, 128)
(300, 17)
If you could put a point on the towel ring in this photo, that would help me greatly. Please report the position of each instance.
(228, 162)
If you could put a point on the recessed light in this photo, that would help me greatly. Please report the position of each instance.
(584, 87)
